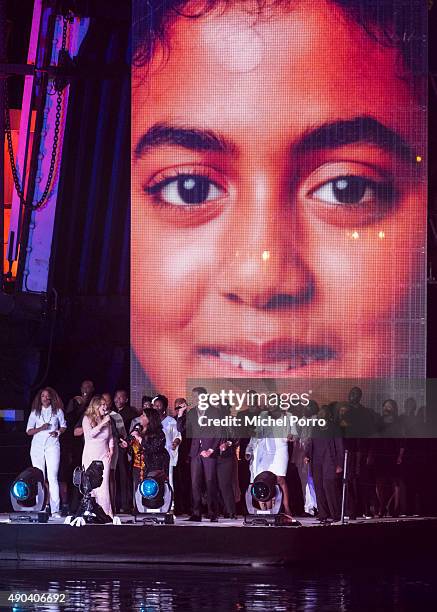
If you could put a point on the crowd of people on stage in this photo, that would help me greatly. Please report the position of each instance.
(385, 471)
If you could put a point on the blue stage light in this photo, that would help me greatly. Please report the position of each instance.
(20, 490)
(28, 492)
(149, 488)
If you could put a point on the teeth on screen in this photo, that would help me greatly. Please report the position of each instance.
(275, 368)
(278, 367)
(251, 366)
(235, 360)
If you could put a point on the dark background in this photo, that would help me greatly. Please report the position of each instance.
(84, 334)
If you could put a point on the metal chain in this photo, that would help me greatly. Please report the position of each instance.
(10, 147)
(51, 173)
(20, 190)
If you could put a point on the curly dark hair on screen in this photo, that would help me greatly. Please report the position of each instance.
(397, 23)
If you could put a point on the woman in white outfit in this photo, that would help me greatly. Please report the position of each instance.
(268, 451)
(46, 423)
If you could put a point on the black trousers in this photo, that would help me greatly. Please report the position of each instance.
(225, 470)
(125, 480)
(351, 501)
(204, 469)
(366, 495)
(182, 486)
(351, 504)
(328, 490)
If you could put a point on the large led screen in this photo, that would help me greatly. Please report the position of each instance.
(278, 191)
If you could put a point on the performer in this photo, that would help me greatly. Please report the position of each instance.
(45, 424)
(99, 446)
(345, 419)
(182, 476)
(268, 451)
(364, 424)
(203, 455)
(127, 412)
(124, 467)
(325, 453)
(133, 444)
(227, 469)
(153, 443)
(172, 435)
(146, 402)
(118, 432)
(298, 457)
(387, 456)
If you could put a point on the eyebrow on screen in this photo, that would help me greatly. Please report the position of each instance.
(358, 130)
(194, 139)
(330, 135)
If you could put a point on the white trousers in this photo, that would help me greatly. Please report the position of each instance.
(170, 482)
(170, 476)
(47, 460)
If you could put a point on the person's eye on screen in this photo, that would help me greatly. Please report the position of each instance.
(354, 191)
(185, 190)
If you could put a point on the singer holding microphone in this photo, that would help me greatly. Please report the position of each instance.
(46, 423)
(99, 446)
(150, 443)
(133, 442)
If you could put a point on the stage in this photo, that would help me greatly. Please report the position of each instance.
(225, 543)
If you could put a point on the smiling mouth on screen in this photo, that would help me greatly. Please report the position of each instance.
(271, 359)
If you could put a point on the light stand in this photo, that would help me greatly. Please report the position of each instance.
(267, 517)
(344, 488)
(28, 495)
(89, 511)
(262, 490)
(153, 500)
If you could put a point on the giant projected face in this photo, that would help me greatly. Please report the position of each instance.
(278, 208)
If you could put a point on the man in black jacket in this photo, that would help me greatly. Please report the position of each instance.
(182, 476)
(124, 467)
(325, 451)
(225, 474)
(203, 455)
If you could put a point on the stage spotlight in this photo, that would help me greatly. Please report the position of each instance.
(267, 495)
(149, 489)
(28, 494)
(262, 490)
(89, 479)
(153, 499)
(264, 487)
(21, 491)
(86, 481)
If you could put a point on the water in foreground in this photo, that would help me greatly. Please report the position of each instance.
(408, 586)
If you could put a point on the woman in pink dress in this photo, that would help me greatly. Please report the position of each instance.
(99, 446)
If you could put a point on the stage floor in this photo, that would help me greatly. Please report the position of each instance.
(225, 542)
(182, 521)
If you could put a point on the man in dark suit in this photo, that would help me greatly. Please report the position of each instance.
(203, 454)
(226, 474)
(182, 476)
(325, 451)
(124, 466)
